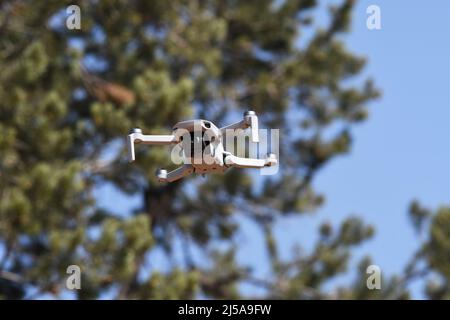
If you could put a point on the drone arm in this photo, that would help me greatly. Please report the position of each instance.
(237, 125)
(138, 137)
(176, 174)
(233, 161)
(250, 120)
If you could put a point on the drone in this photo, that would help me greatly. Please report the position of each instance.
(201, 142)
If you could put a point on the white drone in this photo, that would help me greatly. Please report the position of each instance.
(203, 150)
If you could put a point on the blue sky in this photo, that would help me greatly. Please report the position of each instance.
(402, 151)
(399, 154)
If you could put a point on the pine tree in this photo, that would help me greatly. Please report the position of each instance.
(149, 64)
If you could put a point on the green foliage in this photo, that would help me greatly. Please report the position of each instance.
(180, 59)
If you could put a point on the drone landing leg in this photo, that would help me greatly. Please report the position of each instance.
(239, 162)
(176, 174)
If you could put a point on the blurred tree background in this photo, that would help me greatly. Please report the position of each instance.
(149, 64)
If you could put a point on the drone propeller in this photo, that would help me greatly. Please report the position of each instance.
(252, 120)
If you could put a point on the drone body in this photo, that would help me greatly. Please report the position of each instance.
(202, 145)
